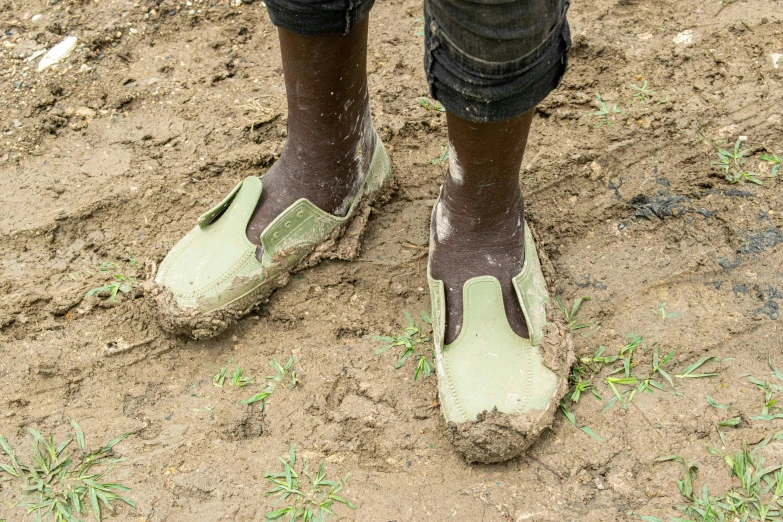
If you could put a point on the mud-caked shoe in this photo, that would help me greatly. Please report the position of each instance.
(498, 390)
(212, 278)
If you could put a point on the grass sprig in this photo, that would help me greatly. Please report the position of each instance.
(62, 483)
(306, 501)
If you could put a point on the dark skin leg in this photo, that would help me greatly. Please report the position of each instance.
(330, 135)
(477, 226)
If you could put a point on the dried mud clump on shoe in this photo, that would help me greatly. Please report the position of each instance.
(496, 436)
(189, 322)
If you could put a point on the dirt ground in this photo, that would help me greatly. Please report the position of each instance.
(163, 106)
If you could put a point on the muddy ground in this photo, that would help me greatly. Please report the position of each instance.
(164, 106)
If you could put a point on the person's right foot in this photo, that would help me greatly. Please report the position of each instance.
(210, 279)
(326, 173)
(330, 135)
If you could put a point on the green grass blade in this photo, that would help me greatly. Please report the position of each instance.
(695, 366)
(115, 441)
(79, 434)
(273, 515)
(697, 375)
(568, 414)
(591, 433)
(96, 508)
(772, 367)
(715, 404)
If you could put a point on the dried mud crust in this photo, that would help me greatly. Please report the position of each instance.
(343, 243)
(496, 436)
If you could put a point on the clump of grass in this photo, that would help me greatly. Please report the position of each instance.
(663, 314)
(120, 283)
(627, 386)
(774, 160)
(605, 113)
(219, 379)
(627, 351)
(283, 372)
(641, 93)
(756, 492)
(63, 484)
(285, 376)
(650, 384)
(431, 106)
(614, 383)
(582, 373)
(732, 163)
(598, 360)
(574, 323)
(580, 385)
(444, 155)
(580, 381)
(306, 501)
(659, 364)
(237, 377)
(625, 381)
(769, 411)
(411, 340)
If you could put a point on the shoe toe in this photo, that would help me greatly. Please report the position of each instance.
(205, 271)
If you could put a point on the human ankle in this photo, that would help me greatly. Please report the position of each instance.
(328, 165)
(329, 124)
(467, 215)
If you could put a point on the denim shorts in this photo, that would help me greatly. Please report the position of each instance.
(486, 60)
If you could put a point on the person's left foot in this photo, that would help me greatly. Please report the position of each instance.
(478, 226)
(464, 246)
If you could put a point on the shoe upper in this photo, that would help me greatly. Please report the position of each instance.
(211, 263)
(489, 366)
(215, 264)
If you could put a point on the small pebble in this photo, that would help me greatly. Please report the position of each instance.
(57, 53)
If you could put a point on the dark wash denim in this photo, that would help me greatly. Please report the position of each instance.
(486, 60)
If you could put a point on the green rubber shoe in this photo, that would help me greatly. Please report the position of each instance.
(211, 278)
(497, 390)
